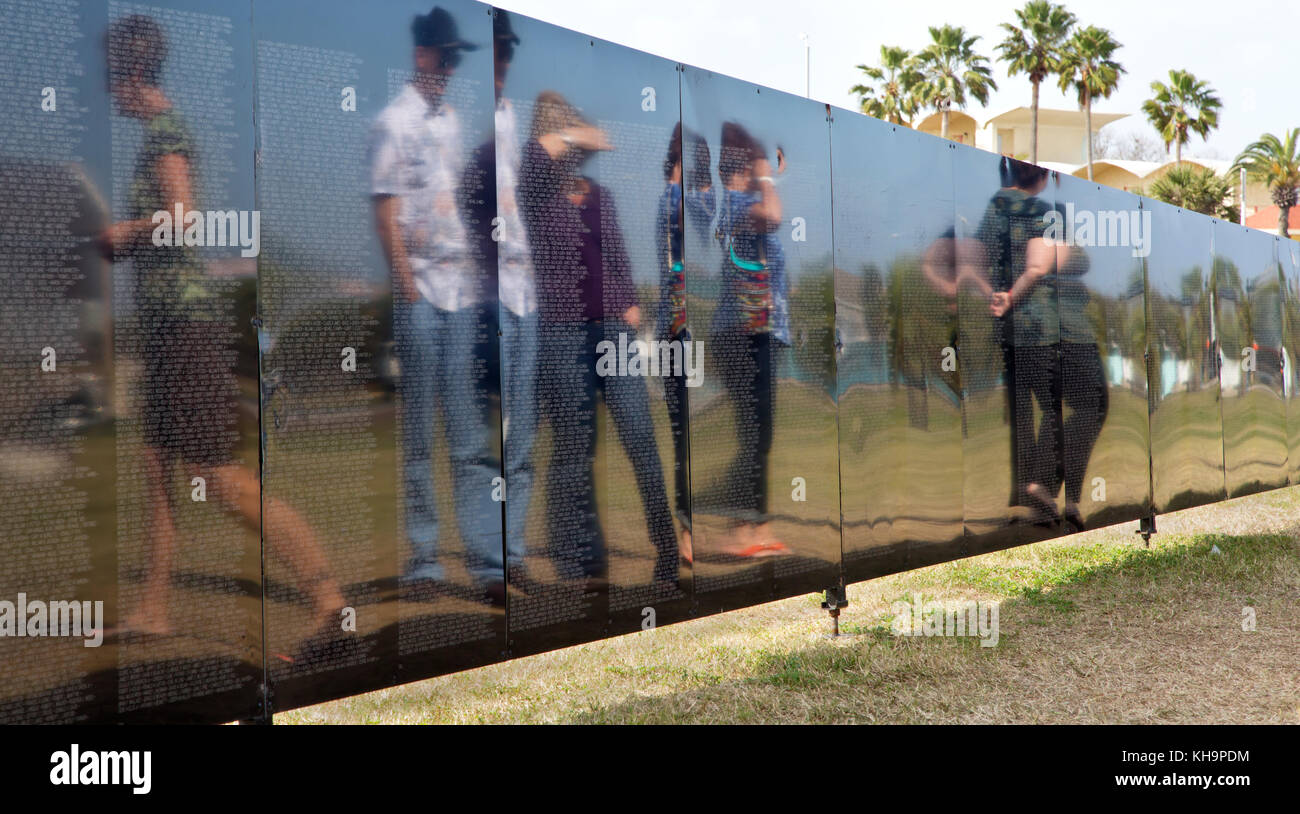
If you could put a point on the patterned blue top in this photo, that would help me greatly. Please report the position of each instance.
(746, 245)
(701, 204)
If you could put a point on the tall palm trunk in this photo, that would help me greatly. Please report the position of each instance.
(1283, 218)
(1087, 116)
(943, 123)
(1033, 129)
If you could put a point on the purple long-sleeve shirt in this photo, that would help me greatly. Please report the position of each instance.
(581, 263)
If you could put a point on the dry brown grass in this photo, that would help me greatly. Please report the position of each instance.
(1094, 629)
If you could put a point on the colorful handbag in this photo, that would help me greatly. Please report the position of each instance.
(752, 283)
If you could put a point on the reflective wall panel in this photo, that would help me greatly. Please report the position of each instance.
(896, 287)
(1288, 260)
(593, 373)
(1101, 290)
(1248, 318)
(1008, 354)
(128, 418)
(345, 345)
(1183, 359)
(760, 297)
(382, 510)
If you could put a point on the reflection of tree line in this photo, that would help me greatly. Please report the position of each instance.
(1185, 327)
(912, 324)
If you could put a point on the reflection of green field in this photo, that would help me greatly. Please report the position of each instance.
(1187, 449)
(355, 512)
(902, 477)
(1254, 441)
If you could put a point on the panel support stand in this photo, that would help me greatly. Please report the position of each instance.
(836, 597)
(1147, 527)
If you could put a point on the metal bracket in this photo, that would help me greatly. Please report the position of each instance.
(836, 597)
(1147, 527)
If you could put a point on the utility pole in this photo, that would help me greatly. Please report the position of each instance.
(1242, 200)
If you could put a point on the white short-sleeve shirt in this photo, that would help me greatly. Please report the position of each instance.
(416, 155)
(514, 264)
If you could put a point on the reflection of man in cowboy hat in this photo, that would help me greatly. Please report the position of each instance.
(438, 49)
(440, 306)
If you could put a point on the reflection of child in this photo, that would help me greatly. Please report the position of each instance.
(188, 391)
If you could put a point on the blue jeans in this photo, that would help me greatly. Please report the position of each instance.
(519, 412)
(448, 353)
(568, 387)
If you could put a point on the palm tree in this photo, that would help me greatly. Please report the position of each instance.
(1277, 164)
(950, 69)
(1186, 105)
(1196, 189)
(1034, 48)
(895, 98)
(1086, 66)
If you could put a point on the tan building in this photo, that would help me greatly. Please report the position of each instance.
(961, 126)
(1063, 147)
(1062, 134)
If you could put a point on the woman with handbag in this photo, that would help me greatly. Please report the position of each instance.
(750, 326)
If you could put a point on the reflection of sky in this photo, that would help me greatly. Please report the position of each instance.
(1181, 245)
(605, 80)
(893, 192)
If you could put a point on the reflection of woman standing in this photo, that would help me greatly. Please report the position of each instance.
(1046, 344)
(188, 392)
(750, 325)
(1020, 266)
(671, 321)
(1083, 381)
(585, 295)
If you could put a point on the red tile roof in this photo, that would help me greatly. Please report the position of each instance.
(1266, 218)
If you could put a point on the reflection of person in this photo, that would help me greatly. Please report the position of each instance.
(750, 325)
(671, 321)
(585, 295)
(188, 391)
(1028, 271)
(1083, 381)
(440, 309)
(503, 250)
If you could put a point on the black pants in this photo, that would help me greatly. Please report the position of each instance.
(1083, 390)
(568, 385)
(1054, 376)
(745, 362)
(676, 398)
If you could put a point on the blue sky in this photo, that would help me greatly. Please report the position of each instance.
(1241, 55)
